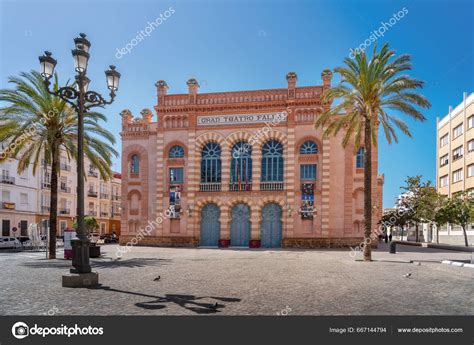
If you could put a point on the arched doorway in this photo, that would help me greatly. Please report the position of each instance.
(240, 226)
(210, 225)
(271, 231)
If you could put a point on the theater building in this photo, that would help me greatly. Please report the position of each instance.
(241, 169)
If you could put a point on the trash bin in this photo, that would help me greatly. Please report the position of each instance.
(393, 248)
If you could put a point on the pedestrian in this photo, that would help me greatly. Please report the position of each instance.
(390, 237)
(386, 238)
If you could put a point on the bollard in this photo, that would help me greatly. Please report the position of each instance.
(393, 247)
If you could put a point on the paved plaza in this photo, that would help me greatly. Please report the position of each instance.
(242, 282)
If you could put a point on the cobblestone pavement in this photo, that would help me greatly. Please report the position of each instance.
(242, 282)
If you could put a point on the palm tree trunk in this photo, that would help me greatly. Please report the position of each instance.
(416, 232)
(367, 191)
(465, 235)
(437, 234)
(53, 216)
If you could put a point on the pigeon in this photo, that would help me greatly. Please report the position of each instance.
(408, 275)
(418, 263)
(215, 306)
(157, 278)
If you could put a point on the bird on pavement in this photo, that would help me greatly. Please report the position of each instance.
(157, 278)
(408, 275)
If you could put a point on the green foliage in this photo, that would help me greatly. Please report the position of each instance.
(370, 90)
(369, 93)
(90, 223)
(40, 124)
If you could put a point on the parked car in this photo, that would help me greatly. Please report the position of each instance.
(9, 242)
(23, 239)
(108, 238)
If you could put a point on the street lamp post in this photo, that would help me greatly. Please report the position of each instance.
(81, 100)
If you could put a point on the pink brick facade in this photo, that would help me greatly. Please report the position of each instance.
(337, 216)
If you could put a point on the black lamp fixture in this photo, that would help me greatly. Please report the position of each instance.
(81, 100)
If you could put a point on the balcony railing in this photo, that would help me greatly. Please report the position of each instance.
(210, 186)
(92, 213)
(46, 185)
(240, 187)
(116, 213)
(7, 179)
(271, 185)
(92, 193)
(8, 205)
(104, 214)
(45, 209)
(104, 195)
(92, 173)
(65, 189)
(64, 211)
(115, 197)
(65, 167)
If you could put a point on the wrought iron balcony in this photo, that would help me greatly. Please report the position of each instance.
(93, 173)
(271, 186)
(64, 211)
(7, 179)
(92, 193)
(240, 187)
(104, 214)
(116, 197)
(65, 167)
(92, 213)
(46, 185)
(45, 209)
(65, 189)
(210, 187)
(104, 195)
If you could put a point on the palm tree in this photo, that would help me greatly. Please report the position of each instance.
(368, 90)
(36, 125)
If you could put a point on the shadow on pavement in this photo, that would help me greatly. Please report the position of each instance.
(189, 302)
(98, 263)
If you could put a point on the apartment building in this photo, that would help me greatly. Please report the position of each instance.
(455, 153)
(18, 199)
(25, 198)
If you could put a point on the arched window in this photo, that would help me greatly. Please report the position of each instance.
(135, 166)
(176, 152)
(211, 163)
(241, 166)
(272, 161)
(360, 158)
(308, 147)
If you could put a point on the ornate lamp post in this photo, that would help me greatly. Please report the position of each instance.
(81, 100)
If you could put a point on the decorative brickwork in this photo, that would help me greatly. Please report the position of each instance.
(193, 120)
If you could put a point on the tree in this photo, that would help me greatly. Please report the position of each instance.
(368, 91)
(37, 125)
(91, 224)
(421, 197)
(397, 217)
(441, 214)
(460, 211)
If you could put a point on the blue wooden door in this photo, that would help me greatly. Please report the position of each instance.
(210, 225)
(240, 226)
(271, 231)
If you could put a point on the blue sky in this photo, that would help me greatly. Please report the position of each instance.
(239, 45)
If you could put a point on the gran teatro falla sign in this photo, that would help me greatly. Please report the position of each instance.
(239, 119)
